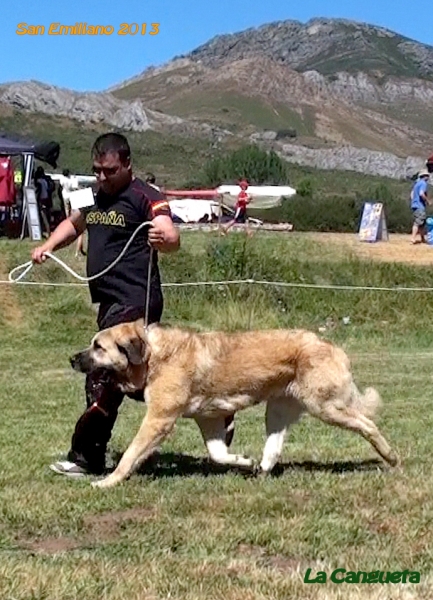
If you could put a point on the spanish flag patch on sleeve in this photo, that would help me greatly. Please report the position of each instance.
(161, 207)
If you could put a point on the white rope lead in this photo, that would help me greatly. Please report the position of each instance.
(287, 284)
(26, 267)
(29, 265)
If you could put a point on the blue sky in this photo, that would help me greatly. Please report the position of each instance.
(86, 63)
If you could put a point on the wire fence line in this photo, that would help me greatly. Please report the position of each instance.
(282, 284)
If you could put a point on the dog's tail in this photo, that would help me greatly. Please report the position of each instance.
(367, 403)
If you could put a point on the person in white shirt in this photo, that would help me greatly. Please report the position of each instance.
(70, 184)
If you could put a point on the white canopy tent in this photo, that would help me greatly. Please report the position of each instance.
(263, 196)
(193, 210)
(190, 210)
(82, 180)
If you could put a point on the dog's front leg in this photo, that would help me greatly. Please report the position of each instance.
(157, 424)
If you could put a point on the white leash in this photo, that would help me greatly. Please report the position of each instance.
(26, 267)
(29, 265)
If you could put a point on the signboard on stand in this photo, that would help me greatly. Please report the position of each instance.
(373, 223)
(31, 214)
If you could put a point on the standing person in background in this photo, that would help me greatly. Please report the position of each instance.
(44, 197)
(419, 201)
(67, 185)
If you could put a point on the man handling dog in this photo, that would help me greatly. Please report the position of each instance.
(122, 203)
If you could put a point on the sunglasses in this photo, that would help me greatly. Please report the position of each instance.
(108, 171)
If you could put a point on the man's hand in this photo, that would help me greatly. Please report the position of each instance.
(64, 234)
(163, 235)
(38, 255)
(156, 237)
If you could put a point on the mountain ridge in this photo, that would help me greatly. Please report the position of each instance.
(298, 88)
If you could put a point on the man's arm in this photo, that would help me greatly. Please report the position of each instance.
(424, 197)
(163, 235)
(64, 234)
(423, 194)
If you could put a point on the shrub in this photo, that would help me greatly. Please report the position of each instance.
(286, 133)
(340, 213)
(305, 188)
(256, 165)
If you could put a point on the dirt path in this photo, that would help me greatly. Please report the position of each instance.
(397, 249)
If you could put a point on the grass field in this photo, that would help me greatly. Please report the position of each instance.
(182, 528)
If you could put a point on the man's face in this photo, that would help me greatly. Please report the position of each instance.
(111, 173)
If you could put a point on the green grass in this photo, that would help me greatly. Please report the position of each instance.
(181, 528)
(226, 108)
(235, 112)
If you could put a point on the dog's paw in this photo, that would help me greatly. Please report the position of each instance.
(97, 483)
(259, 472)
(242, 462)
(394, 460)
(256, 470)
(103, 483)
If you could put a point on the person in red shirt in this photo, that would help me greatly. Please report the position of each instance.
(243, 200)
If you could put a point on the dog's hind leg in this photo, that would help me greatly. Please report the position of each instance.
(352, 419)
(213, 431)
(280, 414)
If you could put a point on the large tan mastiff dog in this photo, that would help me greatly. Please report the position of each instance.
(207, 376)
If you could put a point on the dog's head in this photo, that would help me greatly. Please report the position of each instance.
(122, 350)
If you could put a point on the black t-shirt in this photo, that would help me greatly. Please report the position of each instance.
(110, 223)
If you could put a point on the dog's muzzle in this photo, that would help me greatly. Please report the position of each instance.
(81, 362)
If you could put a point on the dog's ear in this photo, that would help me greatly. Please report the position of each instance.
(133, 349)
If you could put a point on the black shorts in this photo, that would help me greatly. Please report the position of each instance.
(240, 215)
(114, 314)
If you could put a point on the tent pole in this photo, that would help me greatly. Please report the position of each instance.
(28, 169)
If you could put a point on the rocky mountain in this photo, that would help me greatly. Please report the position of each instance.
(327, 46)
(94, 108)
(329, 93)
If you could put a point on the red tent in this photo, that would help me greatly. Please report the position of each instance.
(7, 185)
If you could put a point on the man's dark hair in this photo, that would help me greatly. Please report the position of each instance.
(66, 172)
(150, 178)
(111, 142)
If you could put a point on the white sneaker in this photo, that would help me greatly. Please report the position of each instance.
(68, 468)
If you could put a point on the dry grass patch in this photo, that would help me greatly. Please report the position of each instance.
(11, 313)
